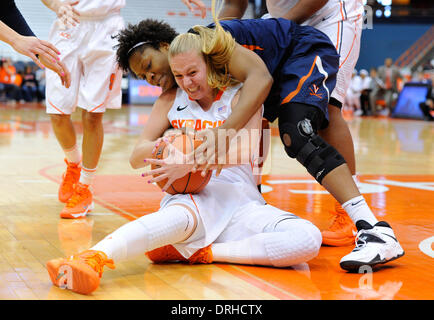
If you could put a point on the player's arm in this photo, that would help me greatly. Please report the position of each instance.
(303, 10)
(248, 68)
(154, 128)
(244, 145)
(233, 9)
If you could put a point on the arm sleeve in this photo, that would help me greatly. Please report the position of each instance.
(11, 16)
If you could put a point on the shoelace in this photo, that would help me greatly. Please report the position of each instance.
(96, 261)
(360, 242)
(77, 196)
(338, 222)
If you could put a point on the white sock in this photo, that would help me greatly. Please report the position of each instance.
(87, 175)
(358, 209)
(169, 225)
(72, 154)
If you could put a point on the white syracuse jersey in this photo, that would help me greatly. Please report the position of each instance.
(93, 8)
(232, 191)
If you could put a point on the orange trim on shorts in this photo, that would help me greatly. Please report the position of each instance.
(352, 45)
(194, 202)
(252, 47)
(300, 84)
(96, 107)
(55, 107)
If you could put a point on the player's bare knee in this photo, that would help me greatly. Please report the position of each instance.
(91, 120)
(59, 119)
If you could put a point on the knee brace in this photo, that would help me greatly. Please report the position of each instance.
(298, 127)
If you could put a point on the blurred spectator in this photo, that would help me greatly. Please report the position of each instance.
(427, 106)
(9, 79)
(389, 75)
(419, 76)
(377, 91)
(366, 91)
(29, 85)
(40, 78)
(352, 99)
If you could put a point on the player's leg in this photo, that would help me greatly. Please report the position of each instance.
(269, 237)
(341, 231)
(345, 34)
(82, 272)
(61, 103)
(99, 89)
(298, 125)
(81, 200)
(66, 136)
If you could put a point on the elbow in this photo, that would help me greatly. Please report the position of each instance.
(268, 81)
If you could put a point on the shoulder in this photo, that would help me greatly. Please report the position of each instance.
(166, 98)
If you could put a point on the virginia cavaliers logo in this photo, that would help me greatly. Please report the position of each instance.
(314, 91)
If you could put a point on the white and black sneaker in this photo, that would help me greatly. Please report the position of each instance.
(374, 245)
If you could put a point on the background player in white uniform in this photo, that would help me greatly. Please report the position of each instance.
(342, 22)
(87, 51)
(229, 214)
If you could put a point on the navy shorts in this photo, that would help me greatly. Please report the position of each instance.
(307, 76)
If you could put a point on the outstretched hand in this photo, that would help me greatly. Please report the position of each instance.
(44, 54)
(199, 5)
(67, 14)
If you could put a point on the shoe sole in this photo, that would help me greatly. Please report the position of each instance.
(354, 266)
(72, 276)
(78, 215)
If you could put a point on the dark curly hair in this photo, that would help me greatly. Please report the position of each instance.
(150, 30)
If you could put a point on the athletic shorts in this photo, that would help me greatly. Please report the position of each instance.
(307, 76)
(88, 52)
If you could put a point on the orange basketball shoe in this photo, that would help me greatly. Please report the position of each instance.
(69, 179)
(342, 231)
(79, 204)
(169, 253)
(80, 273)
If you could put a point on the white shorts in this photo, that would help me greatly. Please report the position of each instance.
(342, 23)
(88, 52)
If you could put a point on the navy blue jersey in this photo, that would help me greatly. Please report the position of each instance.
(11, 16)
(302, 60)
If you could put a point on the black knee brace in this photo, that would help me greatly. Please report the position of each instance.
(298, 127)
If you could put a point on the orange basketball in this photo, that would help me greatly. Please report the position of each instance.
(191, 182)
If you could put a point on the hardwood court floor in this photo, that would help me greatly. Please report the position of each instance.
(396, 173)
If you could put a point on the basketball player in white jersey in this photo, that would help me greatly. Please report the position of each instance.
(226, 222)
(342, 22)
(84, 34)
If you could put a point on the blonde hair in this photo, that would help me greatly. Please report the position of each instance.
(216, 46)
